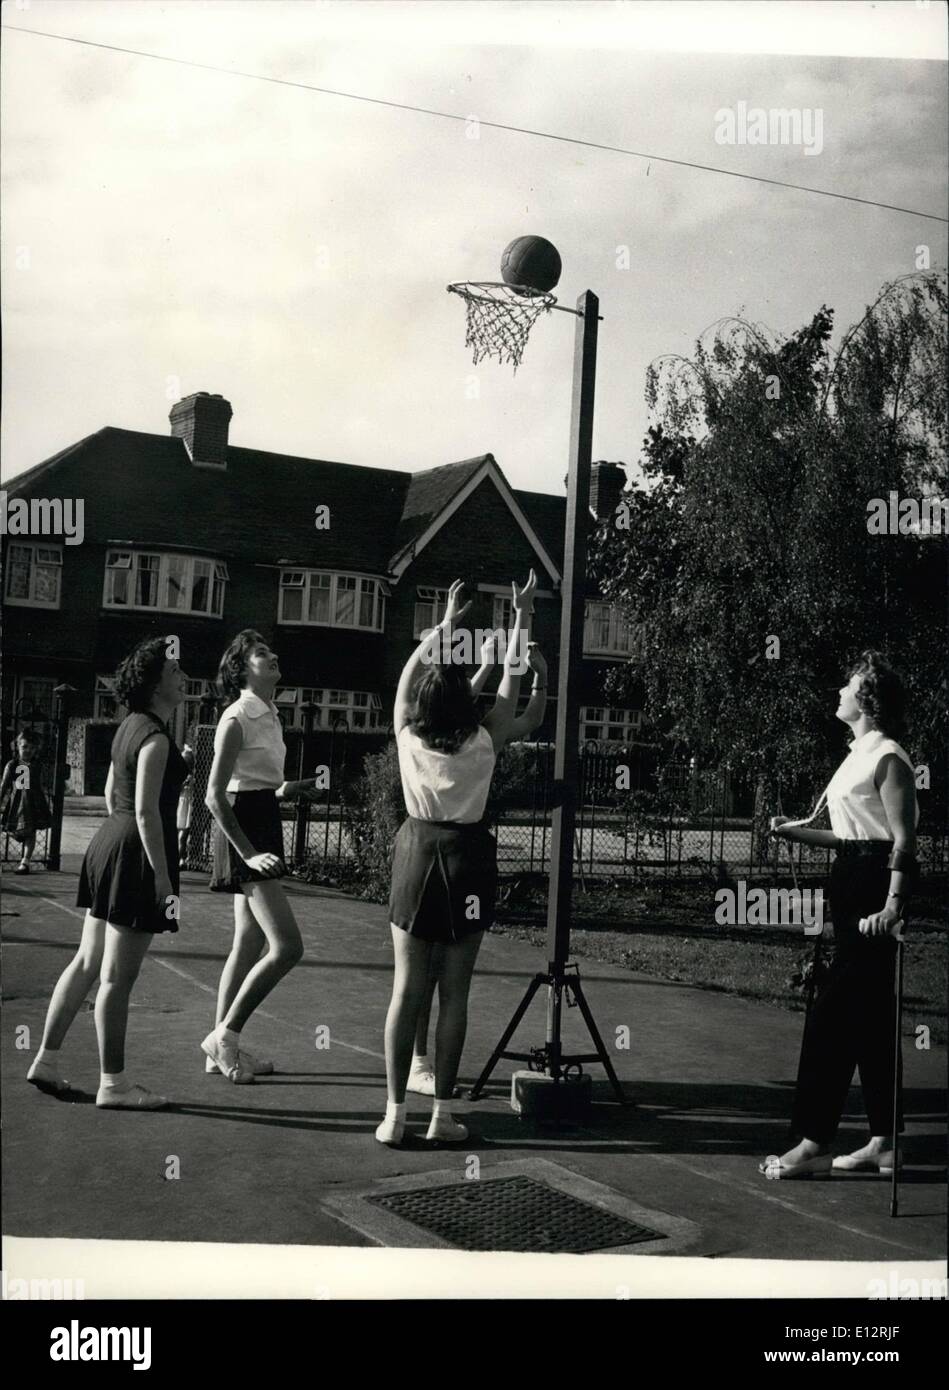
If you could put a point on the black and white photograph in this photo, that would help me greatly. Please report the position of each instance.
(473, 818)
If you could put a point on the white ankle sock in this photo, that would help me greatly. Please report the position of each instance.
(420, 1062)
(228, 1035)
(114, 1079)
(441, 1110)
(48, 1056)
(395, 1111)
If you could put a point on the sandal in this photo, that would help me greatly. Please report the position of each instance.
(819, 1166)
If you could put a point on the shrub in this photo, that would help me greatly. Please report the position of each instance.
(378, 810)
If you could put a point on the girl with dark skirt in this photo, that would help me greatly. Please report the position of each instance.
(129, 882)
(25, 808)
(873, 811)
(244, 786)
(444, 870)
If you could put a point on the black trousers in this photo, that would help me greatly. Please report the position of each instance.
(854, 1017)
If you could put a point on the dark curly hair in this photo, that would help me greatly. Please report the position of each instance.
(444, 714)
(232, 672)
(138, 675)
(881, 694)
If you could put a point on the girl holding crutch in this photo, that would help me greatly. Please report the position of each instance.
(444, 871)
(871, 800)
(244, 788)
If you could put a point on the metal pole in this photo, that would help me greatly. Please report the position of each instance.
(63, 695)
(573, 587)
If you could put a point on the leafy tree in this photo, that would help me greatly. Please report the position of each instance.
(750, 523)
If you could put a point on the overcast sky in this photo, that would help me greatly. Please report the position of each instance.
(169, 230)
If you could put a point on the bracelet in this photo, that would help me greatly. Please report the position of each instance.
(902, 861)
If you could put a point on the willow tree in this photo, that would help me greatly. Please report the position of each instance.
(743, 553)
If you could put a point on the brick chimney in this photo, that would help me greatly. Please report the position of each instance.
(607, 481)
(202, 421)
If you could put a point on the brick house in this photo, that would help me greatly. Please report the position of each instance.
(339, 566)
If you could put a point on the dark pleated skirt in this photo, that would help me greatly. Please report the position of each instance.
(258, 815)
(116, 882)
(444, 879)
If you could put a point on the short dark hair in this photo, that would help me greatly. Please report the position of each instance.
(881, 694)
(444, 714)
(138, 675)
(232, 672)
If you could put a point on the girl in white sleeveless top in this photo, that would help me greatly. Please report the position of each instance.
(871, 799)
(245, 785)
(444, 869)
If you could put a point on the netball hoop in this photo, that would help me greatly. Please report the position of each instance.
(499, 318)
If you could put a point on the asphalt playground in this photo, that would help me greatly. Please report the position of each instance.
(289, 1160)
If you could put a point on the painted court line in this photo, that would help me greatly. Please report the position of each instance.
(754, 1191)
(199, 984)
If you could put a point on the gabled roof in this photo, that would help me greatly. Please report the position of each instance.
(138, 488)
(442, 491)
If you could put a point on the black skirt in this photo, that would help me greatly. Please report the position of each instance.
(116, 881)
(444, 879)
(258, 815)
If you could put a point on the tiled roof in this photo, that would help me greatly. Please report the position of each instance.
(428, 494)
(143, 489)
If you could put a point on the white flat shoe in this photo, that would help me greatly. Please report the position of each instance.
(421, 1081)
(881, 1163)
(47, 1078)
(135, 1098)
(446, 1130)
(257, 1066)
(390, 1132)
(229, 1060)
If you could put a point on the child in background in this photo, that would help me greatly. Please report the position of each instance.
(25, 809)
(183, 815)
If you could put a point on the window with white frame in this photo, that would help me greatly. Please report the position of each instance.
(503, 614)
(169, 583)
(359, 710)
(106, 704)
(34, 574)
(321, 598)
(430, 606)
(34, 695)
(607, 725)
(606, 632)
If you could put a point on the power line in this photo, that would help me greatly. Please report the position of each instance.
(491, 125)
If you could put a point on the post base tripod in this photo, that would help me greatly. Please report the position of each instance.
(563, 982)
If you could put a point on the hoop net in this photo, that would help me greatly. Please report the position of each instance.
(499, 318)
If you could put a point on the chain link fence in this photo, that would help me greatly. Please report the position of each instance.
(638, 817)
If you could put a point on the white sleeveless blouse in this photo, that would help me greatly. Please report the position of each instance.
(853, 801)
(446, 786)
(259, 765)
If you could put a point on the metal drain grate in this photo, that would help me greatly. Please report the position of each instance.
(513, 1214)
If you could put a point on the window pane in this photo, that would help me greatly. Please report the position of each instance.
(46, 584)
(201, 587)
(367, 602)
(291, 605)
(423, 618)
(146, 581)
(18, 572)
(117, 591)
(175, 582)
(319, 611)
(345, 601)
(503, 613)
